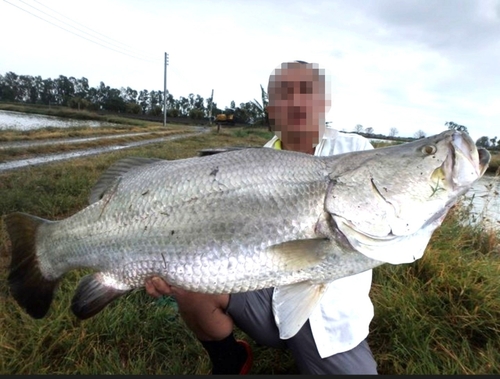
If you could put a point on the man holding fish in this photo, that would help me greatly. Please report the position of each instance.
(333, 341)
(276, 241)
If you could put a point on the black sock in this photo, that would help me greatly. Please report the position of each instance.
(227, 355)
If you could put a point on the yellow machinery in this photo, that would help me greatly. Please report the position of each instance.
(227, 117)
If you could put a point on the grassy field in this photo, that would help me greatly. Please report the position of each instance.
(439, 315)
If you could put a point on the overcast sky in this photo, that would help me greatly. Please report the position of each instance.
(407, 64)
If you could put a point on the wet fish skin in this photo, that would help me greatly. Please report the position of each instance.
(244, 220)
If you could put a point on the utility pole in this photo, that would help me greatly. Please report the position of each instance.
(210, 110)
(165, 92)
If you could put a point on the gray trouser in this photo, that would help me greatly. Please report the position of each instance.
(252, 313)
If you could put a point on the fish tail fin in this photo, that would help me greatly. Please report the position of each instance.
(28, 285)
(93, 293)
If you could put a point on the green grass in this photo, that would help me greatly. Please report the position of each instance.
(439, 315)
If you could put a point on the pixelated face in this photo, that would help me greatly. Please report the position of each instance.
(298, 100)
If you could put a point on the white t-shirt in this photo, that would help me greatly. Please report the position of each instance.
(341, 320)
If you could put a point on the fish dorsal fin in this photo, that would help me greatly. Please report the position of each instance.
(116, 171)
(293, 304)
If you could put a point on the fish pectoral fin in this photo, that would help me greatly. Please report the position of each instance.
(293, 304)
(93, 293)
(301, 254)
(108, 179)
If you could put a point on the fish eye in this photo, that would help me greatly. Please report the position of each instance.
(429, 149)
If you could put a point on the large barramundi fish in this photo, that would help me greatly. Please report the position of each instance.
(245, 220)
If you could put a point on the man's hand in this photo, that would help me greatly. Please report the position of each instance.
(157, 286)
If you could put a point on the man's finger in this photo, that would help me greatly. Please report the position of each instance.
(161, 286)
(151, 289)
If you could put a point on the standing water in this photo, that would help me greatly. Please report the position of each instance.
(484, 201)
(26, 121)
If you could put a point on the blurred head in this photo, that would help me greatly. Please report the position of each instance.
(299, 98)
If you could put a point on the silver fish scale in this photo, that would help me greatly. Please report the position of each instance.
(197, 222)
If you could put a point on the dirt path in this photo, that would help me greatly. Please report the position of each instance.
(48, 142)
(11, 165)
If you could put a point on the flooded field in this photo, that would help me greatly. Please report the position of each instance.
(26, 121)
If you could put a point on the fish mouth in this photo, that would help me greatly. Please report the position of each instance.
(466, 163)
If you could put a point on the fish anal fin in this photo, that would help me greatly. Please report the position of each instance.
(30, 288)
(108, 179)
(293, 304)
(93, 293)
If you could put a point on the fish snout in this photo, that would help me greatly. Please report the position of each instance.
(466, 148)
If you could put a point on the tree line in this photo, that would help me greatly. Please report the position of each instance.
(484, 141)
(77, 93)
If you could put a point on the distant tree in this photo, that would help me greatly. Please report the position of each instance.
(369, 130)
(80, 86)
(154, 101)
(171, 103)
(184, 106)
(173, 112)
(101, 94)
(113, 101)
(493, 141)
(64, 90)
(36, 90)
(132, 108)
(78, 103)
(155, 110)
(25, 85)
(358, 128)
(393, 132)
(143, 100)
(196, 113)
(460, 128)
(47, 95)
(10, 88)
(244, 113)
(483, 142)
(233, 104)
(199, 103)
(259, 111)
(419, 134)
(129, 95)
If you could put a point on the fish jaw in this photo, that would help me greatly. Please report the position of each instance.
(469, 163)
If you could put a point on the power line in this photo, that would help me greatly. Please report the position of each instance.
(78, 35)
(86, 27)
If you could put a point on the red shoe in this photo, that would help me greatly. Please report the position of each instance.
(248, 363)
